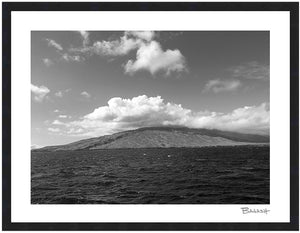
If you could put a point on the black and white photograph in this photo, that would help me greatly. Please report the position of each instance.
(150, 117)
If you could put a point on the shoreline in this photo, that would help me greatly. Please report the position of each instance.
(264, 144)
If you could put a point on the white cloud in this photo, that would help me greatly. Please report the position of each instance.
(85, 37)
(85, 94)
(144, 35)
(149, 54)
(115, 47)
(71, 55)
(218, 85)
(69, 58)
(131, 40)
(74, 131)
(53, 43)
(63, 116)
(48, 62)
(54, 130)
(251, 70)
(152, 58)
(56, 110)
(57, 122)
(39, 93)
(248, 119)
(124, 114)
(34, 146)
(59, 94)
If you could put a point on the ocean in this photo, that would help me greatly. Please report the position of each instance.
(208, 175)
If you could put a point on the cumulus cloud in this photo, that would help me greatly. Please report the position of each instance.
(116, 47)
(56, 110)
(248, 119)
(48, 62)
(149, 54)
(85, 94)
(54, 44)
(152, 58)
(144, 35)
(131, 40)
(251, 70)
(142, 111)
(39, 93)
(218, 85)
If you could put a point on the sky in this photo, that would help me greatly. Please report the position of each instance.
(92, 83)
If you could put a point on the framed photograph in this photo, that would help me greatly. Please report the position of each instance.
(150, 116)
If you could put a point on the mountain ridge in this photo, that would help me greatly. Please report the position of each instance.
(161, 137)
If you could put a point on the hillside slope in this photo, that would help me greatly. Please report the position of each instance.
(162, 137)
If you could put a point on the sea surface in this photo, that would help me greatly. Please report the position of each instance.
(210, 175)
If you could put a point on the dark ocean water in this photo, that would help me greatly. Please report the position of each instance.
(212, 175)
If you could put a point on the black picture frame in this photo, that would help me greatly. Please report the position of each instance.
(291, 7)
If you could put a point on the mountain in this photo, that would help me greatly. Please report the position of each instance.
(162, 137)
